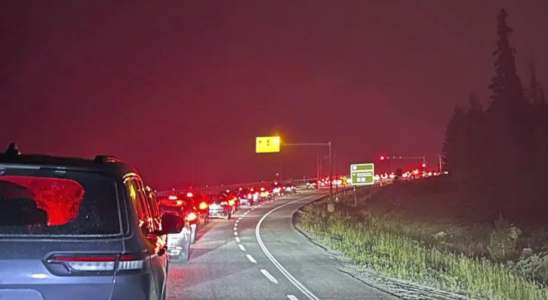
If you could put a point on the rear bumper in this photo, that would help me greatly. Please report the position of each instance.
(176, 243)
(245, 201)
(219, 212)
(134, 286)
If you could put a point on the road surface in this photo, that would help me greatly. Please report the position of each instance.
(259, 255)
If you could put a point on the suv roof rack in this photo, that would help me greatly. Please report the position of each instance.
(106, 159)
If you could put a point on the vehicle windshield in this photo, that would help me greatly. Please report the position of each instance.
(38, 202)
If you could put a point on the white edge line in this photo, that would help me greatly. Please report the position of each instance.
(290, 277)
(269, 276)
(251, 259)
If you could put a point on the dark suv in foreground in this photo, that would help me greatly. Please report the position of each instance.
(80, 229)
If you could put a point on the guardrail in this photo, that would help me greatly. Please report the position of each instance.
(218, 188)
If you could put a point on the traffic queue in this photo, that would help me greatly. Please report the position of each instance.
(195, 210)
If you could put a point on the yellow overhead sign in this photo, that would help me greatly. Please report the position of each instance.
(267, 144)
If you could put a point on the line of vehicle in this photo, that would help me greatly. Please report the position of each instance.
(288, 275)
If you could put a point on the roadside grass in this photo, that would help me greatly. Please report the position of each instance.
(402, 246)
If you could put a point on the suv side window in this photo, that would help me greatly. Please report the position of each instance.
(133, 191)
(154, 204)
(154, 209)
(137, 195)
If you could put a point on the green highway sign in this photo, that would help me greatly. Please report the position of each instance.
(362, 174)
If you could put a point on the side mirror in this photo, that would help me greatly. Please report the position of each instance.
(171, 224)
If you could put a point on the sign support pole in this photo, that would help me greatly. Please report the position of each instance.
(331, 204)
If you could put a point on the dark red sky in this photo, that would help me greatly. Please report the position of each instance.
(146, 81)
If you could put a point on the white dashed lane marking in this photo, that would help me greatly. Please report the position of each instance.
(291, 297)
(290, 277)
(237, 239)
(251, 259)
(269, 276)
(242, 247)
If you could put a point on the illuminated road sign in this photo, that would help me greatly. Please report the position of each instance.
(267, 144)
(362, 174)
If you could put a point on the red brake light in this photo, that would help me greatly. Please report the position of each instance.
(172, 198)
(231, 202)
(192, 216)
(179, 202)
(262, 189)
(202, 206)
(249, 196)
(189, 195)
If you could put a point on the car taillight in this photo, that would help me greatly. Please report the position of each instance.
(202, 205)
(179, 202)
(249, 196)
(191, 216)
(189, 195)
(231, 202)
(99, 263)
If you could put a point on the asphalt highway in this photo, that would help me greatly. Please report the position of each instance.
(259, 254)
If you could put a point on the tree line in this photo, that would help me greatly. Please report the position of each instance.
(498, 153)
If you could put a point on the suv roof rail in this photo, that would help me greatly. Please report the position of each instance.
(106, 159)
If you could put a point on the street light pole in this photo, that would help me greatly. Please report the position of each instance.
(330, 174)
(439, 162)
(331, 205)
(192, 166)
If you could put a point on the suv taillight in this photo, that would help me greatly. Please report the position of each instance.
(100, 263)
(191, 216)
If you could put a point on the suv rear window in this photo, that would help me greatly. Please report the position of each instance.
(47, 202)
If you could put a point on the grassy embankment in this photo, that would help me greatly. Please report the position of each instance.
(413, 231)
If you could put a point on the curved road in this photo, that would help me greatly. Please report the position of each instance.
(259, 255)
